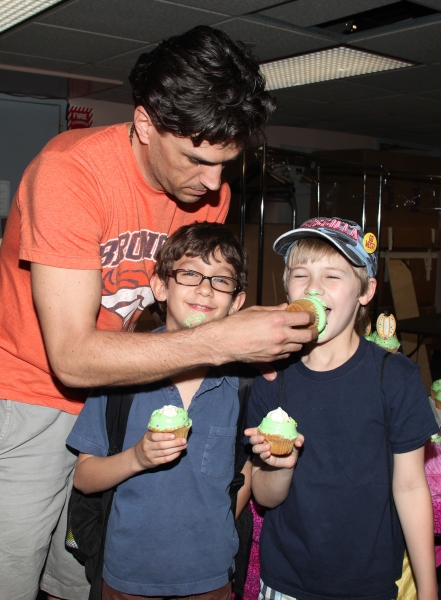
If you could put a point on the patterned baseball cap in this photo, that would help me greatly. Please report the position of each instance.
(348, 237)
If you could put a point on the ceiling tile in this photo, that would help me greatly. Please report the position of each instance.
(400, 106)
(306, 12)
(407, 81)
(141, 20)
(127, 60)
(93, 70)
(121, 97)
(231, 7)
(332, 91)
(328, 112)
(270, 41)
(429, 95)
(419, 42)
(436, 4)
(37, 62)
(64, 44)
(289, 120)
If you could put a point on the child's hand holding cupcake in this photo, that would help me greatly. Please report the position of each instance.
(276, 440)
(165, 439)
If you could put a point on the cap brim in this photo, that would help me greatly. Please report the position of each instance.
(283, 243)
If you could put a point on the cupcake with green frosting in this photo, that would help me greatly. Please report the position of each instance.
(314, 305)
(170, 419)
(279, 431)
(370, 337)
(435, 392)
(391, 344)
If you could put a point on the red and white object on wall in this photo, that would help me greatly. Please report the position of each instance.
(79, 117)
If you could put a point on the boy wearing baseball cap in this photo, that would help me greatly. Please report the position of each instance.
(336, 526)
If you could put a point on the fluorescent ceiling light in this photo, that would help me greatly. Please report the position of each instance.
(13, 12)
(323, 65)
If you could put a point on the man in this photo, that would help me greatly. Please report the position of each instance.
(88, 219)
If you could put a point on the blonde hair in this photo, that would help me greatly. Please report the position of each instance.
(314, 249)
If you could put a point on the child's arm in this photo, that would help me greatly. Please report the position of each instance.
(99, 473)
(414, 505)
(244, 494)
(271, 475)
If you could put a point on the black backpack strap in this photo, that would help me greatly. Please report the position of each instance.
(281, 377)
(117, 415)
(386, 433)
(240, 456)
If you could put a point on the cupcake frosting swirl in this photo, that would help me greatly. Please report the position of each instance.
(169, 417)
(277, 422)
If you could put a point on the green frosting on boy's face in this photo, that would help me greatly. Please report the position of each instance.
(194, 319)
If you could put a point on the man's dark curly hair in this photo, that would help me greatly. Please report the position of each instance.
(202, 240)
(203, 86)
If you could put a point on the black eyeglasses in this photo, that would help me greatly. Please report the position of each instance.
(194, 278)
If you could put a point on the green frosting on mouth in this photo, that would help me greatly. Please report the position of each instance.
(195, 319)
(320, 307)
(286, 428)
(169, 417)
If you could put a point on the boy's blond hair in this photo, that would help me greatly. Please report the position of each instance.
(313, 249)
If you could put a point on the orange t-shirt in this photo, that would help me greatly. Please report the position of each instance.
(83, 204)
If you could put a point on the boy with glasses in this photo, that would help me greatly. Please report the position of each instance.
(171, 531)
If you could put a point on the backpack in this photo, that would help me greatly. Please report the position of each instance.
(88, 513)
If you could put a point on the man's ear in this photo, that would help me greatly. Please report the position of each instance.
(237, 303)
(367, 297)
(159, 288)
(143, 124)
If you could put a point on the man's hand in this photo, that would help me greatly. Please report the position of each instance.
(264, 334)
(263, 450)
(155, 449)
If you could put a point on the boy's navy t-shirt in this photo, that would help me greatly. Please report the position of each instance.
(171, 531)
(332, 538)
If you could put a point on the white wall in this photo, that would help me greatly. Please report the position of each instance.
(105, 113)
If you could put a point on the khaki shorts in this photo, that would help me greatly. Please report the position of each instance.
(35, 481)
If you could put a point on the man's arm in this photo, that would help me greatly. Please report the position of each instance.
(271, 475)
(414, 505)
(67, 303)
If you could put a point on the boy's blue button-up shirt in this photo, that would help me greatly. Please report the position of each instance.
(171, 530)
